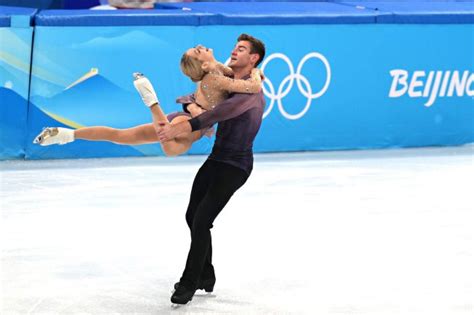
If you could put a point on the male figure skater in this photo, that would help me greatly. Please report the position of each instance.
(226, 169)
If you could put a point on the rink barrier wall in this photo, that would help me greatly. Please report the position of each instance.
(346, 75)
(16, 36)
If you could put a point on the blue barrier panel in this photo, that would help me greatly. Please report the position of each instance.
(15, 57)
(89, 18)
(6, 14)
(419, 12)
(335, 86)
(253, 13)
(371, 86)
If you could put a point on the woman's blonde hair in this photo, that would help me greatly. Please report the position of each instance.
(192, 68)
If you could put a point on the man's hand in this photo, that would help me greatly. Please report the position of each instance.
(169, 131)
(258, 72)
(158, 125)
(165, 132)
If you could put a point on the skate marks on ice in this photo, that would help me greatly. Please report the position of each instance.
(211, 303)
(366, 232)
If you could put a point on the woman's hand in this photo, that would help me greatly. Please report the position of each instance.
(194, 109)
(256, 71)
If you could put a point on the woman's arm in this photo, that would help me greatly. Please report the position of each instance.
(250, 86)
(228, 72)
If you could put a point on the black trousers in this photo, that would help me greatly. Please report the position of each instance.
(213, 186)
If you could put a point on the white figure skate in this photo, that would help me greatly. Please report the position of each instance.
(145, 89)
(54, 135)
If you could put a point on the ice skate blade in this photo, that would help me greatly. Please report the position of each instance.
(178, 305)
(45, 134)
(137, 75)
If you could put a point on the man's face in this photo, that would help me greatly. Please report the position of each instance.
(241, 56)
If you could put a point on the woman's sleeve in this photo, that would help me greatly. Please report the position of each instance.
(226, 70)
(249, 86)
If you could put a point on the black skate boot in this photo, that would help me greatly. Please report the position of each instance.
(206, 285)
(182, 295)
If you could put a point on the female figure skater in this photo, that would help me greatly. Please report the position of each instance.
(213, 86)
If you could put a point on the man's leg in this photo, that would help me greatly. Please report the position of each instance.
(198, 192)
(224, 181)
(208, 276)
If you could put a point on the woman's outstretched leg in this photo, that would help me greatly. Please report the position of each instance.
(142, 134)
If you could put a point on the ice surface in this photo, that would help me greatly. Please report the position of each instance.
(351, 232)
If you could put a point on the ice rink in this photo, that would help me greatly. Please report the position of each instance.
(348, 232)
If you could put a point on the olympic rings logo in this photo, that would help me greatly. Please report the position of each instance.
(302, 82)
(290, 79)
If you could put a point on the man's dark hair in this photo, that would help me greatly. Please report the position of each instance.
(257, 46)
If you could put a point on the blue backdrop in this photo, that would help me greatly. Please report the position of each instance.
(328, 87)
(345, 75)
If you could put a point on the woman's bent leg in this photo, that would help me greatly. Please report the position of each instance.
(180, 144)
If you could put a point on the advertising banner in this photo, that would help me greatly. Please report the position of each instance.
(327, 86)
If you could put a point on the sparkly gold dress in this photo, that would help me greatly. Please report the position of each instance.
(216, 85)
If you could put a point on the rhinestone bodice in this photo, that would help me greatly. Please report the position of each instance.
(216, 86)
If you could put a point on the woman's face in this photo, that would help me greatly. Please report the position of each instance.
(201, 53)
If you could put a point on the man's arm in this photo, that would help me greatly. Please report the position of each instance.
(228, 109)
